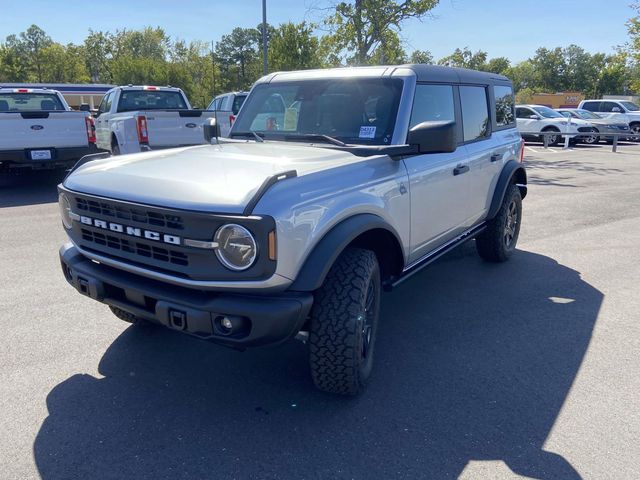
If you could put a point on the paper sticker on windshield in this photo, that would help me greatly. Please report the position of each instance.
(290, 119)
(367, 132)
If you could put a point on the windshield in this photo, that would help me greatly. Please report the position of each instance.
(29, 102)
(547, 112)
(150, 100)
(632, 107)
(587, 115)
(357, 111)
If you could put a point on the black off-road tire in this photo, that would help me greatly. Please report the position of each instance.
(127, 317)
(498, 242)
(115, 148)
(344, 323)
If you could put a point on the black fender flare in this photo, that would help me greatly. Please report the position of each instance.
(328, 249)
(512, 172)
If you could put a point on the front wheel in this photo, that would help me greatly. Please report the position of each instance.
(554, 137)
(344, 323)
(498, 241)
(591, 139)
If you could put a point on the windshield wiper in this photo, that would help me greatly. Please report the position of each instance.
(316, 136)
(251, 133)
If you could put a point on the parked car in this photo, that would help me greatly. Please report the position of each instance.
(619, 111)
(294, 228)
(534, 119)
(40, 131)
(137, 118)
(227, 107)
(604, 128)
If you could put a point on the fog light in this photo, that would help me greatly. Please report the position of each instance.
(226, 323)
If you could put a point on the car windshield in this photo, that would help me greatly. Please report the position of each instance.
(150, 100)
(632, 107)
(29, 102)
(587, 115)
(354, 111)
(547, 112)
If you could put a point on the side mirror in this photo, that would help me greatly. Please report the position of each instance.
(534, 117)
(85, 107)
(434, 137)
(616, 110)
(211, 130)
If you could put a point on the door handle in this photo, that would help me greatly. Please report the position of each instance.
(495, 157)
(460, 169)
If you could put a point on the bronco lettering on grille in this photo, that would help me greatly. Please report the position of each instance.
(132, 231)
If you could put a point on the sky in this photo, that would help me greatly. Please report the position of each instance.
(510, 28)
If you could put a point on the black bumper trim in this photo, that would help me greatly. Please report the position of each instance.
(266, 319)
(59, 157)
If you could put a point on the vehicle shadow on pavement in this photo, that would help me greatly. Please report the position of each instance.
(474, 362)
(29, 188)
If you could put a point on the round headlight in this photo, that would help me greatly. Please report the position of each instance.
(65, 211)
(237, 249)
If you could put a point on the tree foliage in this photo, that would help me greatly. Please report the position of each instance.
(366, 31)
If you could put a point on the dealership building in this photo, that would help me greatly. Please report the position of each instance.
(75, 94)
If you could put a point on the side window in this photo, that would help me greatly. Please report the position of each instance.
(591, 106)
(237, 103)
(609, 107)
(522, 112)
(102, 108)
(109, 101)
(432, 102)
(475, 112)
(505, 105)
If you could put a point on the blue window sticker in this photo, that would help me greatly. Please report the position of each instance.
(367, 132)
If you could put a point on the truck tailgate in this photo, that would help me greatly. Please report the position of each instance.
(42, 129)
(173, 128)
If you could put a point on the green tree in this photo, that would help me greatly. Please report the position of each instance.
(465, 59)
(360, 27)
(499, 65)
(421, 56)
(239, 57)
(551, 69)
(99, 47)
(294, 47)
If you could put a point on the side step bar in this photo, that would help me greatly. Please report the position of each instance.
(432, 256)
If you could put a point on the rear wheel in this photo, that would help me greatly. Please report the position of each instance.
(592, 139)
(344, 323)
(115, 148)
(635, 130)
(498, 241)
(553, 140)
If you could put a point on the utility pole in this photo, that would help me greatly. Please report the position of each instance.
(265, 67)
(213, 69)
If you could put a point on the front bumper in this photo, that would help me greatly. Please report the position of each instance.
(60, 157)
(261, 319)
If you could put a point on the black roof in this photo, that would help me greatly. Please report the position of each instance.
(437, 73)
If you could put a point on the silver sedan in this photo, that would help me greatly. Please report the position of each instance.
(605, 127)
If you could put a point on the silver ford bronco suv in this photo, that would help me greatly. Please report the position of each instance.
(335, 185)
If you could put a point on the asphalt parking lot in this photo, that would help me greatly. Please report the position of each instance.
(526, 369)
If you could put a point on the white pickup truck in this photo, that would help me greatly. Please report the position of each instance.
(38, 130)
(138, 118)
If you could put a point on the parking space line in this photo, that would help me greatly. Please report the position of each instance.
(531, 149)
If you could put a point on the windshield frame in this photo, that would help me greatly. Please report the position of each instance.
(398, 88)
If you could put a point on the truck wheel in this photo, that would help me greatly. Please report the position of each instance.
(344, 322)
(115, 148)
(127, 317)
(498, 241)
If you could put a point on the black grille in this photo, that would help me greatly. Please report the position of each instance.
(149, 251)
(132, 214)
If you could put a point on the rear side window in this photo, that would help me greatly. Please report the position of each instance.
(505, 105)
(237, 103)
(29, 102)
(609, 107)
(432, 102)
(150, 100)
(592, 106)
(475, 112)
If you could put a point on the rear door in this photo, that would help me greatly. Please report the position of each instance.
(439, 195)
(485, 150)
(103, 130)
(527, 125)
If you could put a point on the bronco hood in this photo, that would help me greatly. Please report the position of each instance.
(216, 178)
